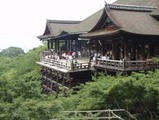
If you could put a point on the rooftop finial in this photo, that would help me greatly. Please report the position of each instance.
(107, 6)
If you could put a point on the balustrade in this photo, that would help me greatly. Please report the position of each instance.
(127, 65)
(64, 64)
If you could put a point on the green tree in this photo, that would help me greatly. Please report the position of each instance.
(12, 52)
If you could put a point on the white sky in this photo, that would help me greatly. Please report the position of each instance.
(22, 20)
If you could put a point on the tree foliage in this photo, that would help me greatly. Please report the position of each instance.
(12, 52)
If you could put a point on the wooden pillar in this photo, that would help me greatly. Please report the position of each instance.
(95, 45)
(55, 45)
(58, 45)
(76, 45)
(69, 45)
(125, 50)
(136, 51)
(103, 47)
(51, 86)
(113, 50)
(63, 79)
(148, 50)
(152, 47)
(69, 80)
(48, 44)
(57, 77)
(71, 41)
(66, 41)
(142, 51)
(51, 44)
(89, 52)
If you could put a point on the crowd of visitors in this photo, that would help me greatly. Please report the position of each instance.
(71, 56)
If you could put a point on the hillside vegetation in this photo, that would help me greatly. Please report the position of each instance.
(21, 97)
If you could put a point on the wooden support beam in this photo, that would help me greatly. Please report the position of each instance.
(63, 80)
(54, 82)
(52, 43)
(58, 45)
(69, 80)
(48, 44)
(125, 50)
(71, 41)
(113, 50)
(55, 45)
(76, 45)
(66, 45)
(57, 77)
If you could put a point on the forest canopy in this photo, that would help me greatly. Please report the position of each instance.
(12, 52)
(21, 97)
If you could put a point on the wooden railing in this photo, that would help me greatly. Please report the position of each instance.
(141, 65)
(65, 65)
(111, 63)
(127, 65)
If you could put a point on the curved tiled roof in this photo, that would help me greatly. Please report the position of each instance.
(111, 30)
(139, 2)
(89, 23)
(133, 18)
(135, 22)
(129, 18)
(154, 3)
(56, 27)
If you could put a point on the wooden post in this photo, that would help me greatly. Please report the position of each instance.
(51, 44)
(113, 50)
(55, 45)
(142, 51)
(63, 83)
(58, 45)
(71, 41)
(69, 79)
(48, 44)
(63, 79)
(148, 54)
(72, 65)
(51, 78)
(76, 45)
(96, 45)
(90, 50)
(66, 45)
(69, 45)
(57, 77)
(125, 50)
(103, 47)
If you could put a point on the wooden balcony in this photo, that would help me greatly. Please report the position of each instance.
(126, 66)
(63, 65)
(110, 65)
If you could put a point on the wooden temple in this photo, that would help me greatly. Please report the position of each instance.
(120, 38)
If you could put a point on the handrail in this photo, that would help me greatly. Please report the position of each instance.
(65, 65)
(122, 64)
(111, 63)
(56, 63)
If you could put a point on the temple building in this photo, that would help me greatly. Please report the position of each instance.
(120, 38)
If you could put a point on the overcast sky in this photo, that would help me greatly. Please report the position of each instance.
(22, 20)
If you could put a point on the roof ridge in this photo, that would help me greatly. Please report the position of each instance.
(64, 21)
(131, 7)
